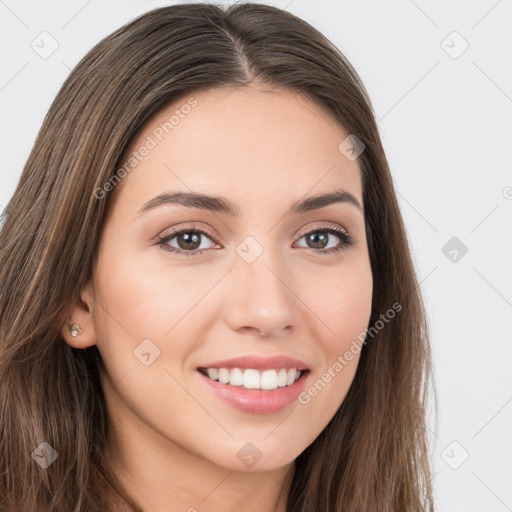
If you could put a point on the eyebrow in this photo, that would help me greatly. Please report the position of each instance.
(222, 205)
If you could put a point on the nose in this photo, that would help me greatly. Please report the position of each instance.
(262, 300)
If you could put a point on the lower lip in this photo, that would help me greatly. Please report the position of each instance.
(257, 401)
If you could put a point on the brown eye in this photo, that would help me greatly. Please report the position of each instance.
(189, 242)
(320, 238)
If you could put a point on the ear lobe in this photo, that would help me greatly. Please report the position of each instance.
(77, 323)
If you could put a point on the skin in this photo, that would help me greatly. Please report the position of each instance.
(174, 442)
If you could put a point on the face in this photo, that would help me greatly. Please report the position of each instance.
(185, 285)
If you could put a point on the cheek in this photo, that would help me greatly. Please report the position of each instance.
(144, 299)
(147, 300)
(129, 309)
(343, 302)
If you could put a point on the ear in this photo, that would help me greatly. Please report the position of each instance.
(79, 312)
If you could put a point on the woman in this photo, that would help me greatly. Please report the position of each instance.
(207, 296)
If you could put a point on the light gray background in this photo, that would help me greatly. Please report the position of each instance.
(445, 121)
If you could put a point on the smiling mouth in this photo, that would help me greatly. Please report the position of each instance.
(251, 378)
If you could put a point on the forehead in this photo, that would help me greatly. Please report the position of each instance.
(243, 142)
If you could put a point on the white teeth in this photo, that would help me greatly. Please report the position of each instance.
(254, 379)
(281, 378)
(251, 379)
(291, 378)
(269, 379)
(237, 377)
(223, 375)
(213, 373)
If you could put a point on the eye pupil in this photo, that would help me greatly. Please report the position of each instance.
(192, 240)
(315, 237)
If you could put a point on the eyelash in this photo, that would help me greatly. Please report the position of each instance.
(345, 238)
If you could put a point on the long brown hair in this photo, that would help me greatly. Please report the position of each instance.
(374, 454)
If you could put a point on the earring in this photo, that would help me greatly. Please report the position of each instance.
(75, 330)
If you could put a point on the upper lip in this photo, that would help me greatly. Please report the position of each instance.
(259, 363)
